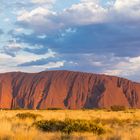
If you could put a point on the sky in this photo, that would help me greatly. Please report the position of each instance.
(99, 36)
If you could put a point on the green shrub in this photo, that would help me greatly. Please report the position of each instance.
(68, 126)
(118, 108)
(27, 115)
(54, 108)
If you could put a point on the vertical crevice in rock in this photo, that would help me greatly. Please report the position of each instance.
(69, 94)
(45, 93)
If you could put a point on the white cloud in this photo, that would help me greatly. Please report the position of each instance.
(126, 10)
(42, 36)
(43, 19)
(86, 12)
(43, 1)
(23, 57)
(110, 64)
(127, 4)
(11, 48)
(125, 67)
(36, 13)
(50, 65)
(9, 63)
(18, 30)
(113, 72)
(57, 64)
(38, 19)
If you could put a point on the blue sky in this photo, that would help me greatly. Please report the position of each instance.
(99, 36)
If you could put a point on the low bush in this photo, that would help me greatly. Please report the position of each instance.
(54, 108)
(118, 108)
(27, 115)
(68, 126)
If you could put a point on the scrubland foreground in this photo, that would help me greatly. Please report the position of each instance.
(69, 125)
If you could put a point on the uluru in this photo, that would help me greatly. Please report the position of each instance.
(66, 90)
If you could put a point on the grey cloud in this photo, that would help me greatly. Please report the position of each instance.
(1, 32)
(38, 62)
(100, 38)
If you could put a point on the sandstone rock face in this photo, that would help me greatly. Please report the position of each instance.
(67, 90)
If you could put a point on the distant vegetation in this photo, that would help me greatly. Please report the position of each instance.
(118, 108)
(54, 108)
(27, 115)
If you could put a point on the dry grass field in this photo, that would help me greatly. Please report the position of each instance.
(116, 125)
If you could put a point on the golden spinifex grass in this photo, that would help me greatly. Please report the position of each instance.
(82, 124)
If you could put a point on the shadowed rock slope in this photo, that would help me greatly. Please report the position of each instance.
(67, 90)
